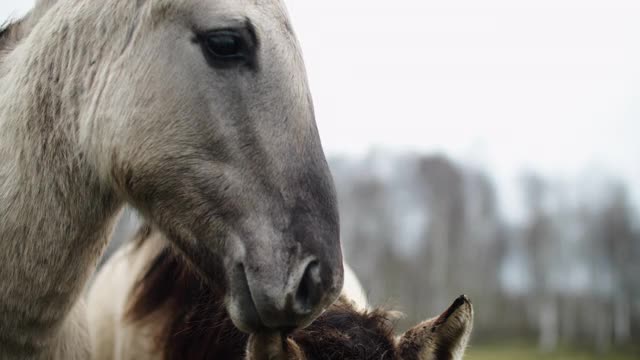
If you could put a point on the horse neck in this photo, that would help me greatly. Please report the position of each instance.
(56, 214)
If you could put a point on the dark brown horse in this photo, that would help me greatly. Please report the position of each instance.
(169, 312)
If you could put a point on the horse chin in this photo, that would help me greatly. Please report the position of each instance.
(241, 306)
(246, 319)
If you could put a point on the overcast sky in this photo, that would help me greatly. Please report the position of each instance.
(551, 85)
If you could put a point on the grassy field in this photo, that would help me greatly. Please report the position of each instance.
(524, 352)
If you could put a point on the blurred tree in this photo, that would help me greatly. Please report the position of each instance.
(539, 238)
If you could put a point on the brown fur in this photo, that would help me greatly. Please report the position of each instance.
(172, 313)
(191, 323)
(196, 325)
(344, 333)
(444, 337)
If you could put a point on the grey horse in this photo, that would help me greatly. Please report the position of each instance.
(197, 114)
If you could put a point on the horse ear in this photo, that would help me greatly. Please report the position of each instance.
(440, 338)
(273, 347)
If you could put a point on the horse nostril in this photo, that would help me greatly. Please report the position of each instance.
(309, 291)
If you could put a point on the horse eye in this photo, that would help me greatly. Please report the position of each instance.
(226, 46)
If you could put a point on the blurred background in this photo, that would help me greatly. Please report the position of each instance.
(487, 148)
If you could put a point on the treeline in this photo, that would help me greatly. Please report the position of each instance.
(420, 230)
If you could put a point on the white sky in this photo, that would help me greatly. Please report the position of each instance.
(551, 85)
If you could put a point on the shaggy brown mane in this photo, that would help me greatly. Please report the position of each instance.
(342, 332)
(197, 326)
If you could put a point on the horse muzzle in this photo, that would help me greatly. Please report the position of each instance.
(257, 305)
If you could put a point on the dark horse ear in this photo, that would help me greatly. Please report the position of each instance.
(273, 347)
(442, 338)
